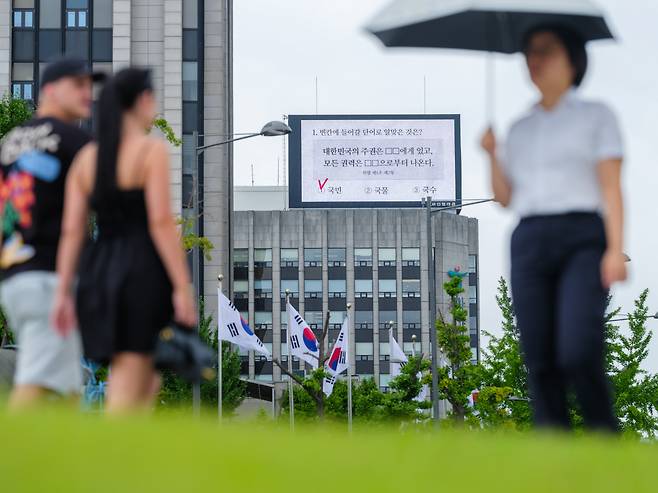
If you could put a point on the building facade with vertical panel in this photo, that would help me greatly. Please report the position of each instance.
(186, 43)
(374, 259)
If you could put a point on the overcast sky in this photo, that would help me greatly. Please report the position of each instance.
(281, 47)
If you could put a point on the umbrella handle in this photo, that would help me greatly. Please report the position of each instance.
(490, 90)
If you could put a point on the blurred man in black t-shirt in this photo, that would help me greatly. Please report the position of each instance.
(34, 160)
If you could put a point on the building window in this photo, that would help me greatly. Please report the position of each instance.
(50, 45)
(241, 257)
(312, 288)
(386, 257)
(336, 320)
(384, 351)
(363, 288)
(190, 81)
(50, 14)
(263, 289)
(23, 45)
(190, 116)
(289, 257)
(411, 257)
(290, 285)
(337, 288)
(190, 14)
(190, 45)
(101, 46)
(387, 288)
(473, 324)
(263, 320)
(472, 264)
(313, 319)
(240, 290)
(22, 86)
(22, 90)
(76, 19)
(336, 257)
(102, 14)
(385, 319)
(363, 320)
(262, 257)
(363, 257)
(364, 351)
(472, 294)
(411, 288)
(312, 257)
(77, 43)
(411, 319)
(384, 381)
(24, 19)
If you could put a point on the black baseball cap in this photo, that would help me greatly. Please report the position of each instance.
(69, 67)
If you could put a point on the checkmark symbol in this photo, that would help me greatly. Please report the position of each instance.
(321, 184)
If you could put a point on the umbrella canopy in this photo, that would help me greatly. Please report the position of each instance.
(482, 25)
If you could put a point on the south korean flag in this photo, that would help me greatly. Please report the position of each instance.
(233, 328)
(338, 360)
(301, 339)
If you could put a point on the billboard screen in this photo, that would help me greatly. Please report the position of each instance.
(352, 161)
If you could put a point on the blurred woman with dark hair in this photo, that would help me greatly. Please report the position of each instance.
(133, 278)
(560, 172)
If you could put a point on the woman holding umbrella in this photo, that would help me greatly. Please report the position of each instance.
(560, 171)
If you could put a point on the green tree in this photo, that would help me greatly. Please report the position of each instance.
(6, 337)
(503, 374)
(636, 390)
(177, 392)
(369, 404)
(13, 112)
(460, 377)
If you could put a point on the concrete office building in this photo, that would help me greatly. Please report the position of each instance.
(375, 259)
(187, 44)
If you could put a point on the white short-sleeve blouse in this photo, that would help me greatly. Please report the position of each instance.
(551, 157)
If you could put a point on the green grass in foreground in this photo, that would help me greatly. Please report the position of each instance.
(57, 452)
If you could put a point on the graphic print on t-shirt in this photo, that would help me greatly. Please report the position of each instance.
(28, 153)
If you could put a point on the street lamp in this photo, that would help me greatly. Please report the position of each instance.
(270, 129)
(431, 262)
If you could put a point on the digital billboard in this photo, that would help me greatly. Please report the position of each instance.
(352, 161)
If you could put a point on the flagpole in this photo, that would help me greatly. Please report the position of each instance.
(413, 345)
(291, 395)
(220, 366)
(349, 371)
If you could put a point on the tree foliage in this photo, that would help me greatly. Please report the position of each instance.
(635, 389)
(459, 378)
(369, 403)
(13, 112)
(503, 398)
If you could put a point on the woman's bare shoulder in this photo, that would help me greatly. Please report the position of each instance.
(158, 151)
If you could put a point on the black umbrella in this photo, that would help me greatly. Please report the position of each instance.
(482, 25)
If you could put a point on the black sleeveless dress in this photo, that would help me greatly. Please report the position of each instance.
(124, 293)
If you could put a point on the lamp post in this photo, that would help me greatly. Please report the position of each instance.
(271, 129)
(431, 262)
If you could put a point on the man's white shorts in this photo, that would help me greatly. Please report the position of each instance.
(44, 357)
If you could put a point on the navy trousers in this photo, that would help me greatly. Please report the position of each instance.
(560, 306)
